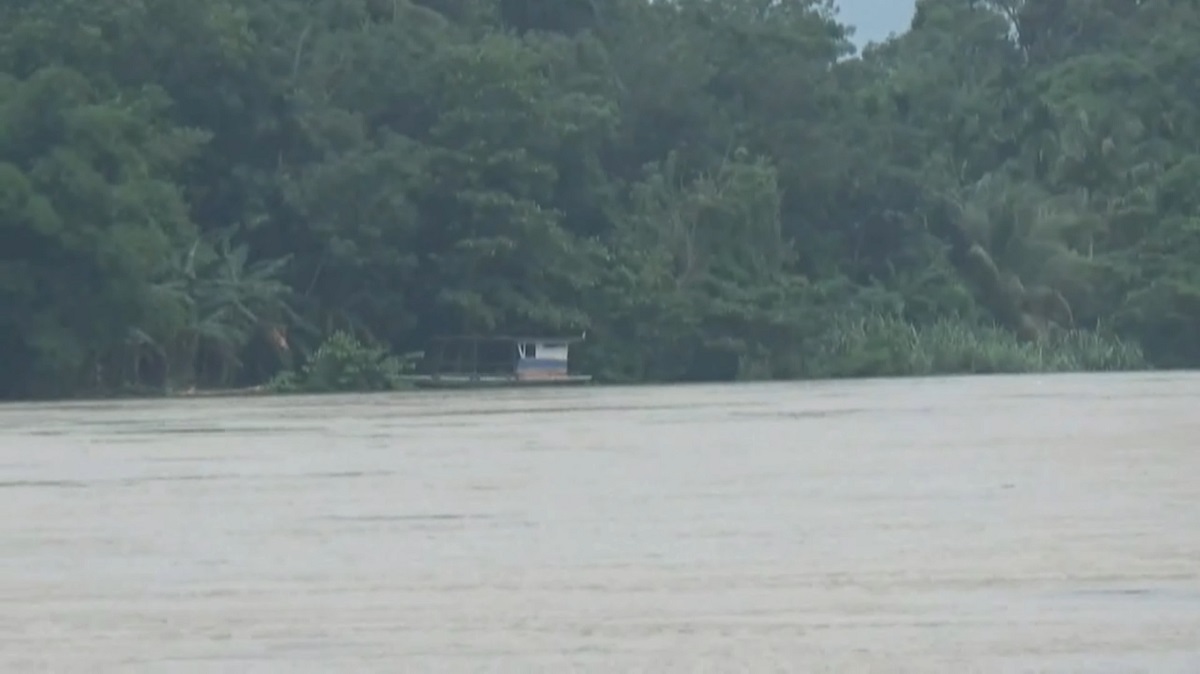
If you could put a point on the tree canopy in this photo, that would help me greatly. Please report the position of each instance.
(199, 194)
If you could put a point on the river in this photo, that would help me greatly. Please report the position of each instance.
(982, 524)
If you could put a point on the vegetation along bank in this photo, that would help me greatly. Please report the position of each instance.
(201, 194)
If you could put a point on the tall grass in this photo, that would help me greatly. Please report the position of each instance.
(884, 345)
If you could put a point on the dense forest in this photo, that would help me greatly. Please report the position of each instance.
(201, 194)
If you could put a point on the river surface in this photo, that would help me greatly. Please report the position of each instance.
(988, 524)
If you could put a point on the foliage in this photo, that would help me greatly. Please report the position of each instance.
(343, 363)
(883, 345)
(202, 194)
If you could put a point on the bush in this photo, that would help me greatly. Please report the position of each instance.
(344, 364)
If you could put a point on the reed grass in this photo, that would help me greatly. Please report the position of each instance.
(884, 345)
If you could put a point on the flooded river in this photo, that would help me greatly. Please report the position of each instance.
(1023, 524)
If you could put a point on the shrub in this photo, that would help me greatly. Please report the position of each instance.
(343, 363)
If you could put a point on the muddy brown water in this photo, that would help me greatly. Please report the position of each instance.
(991, 524)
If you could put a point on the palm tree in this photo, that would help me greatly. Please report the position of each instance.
(211, 303)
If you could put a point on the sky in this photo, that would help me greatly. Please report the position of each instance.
(874, 19)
